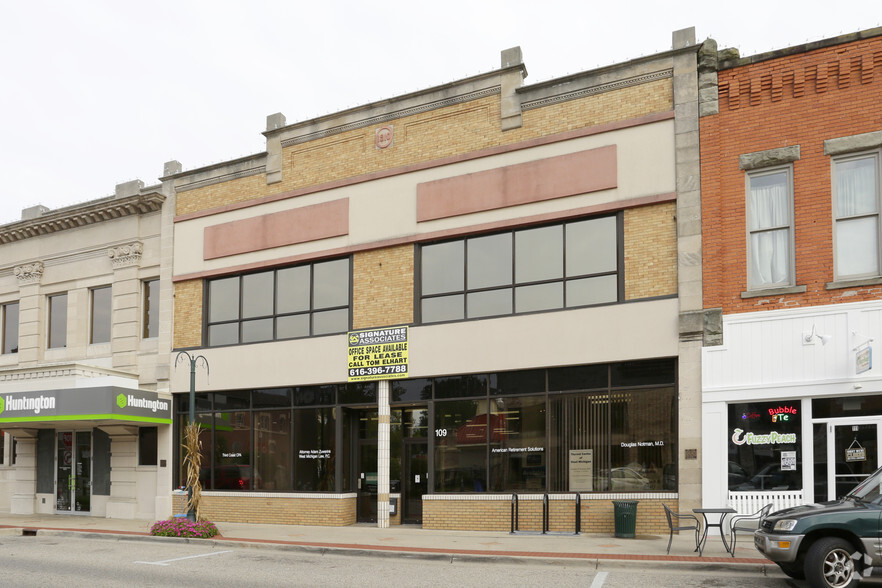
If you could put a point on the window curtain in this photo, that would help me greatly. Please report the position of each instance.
(857, 222)
(769, 231)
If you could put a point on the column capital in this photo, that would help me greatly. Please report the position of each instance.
(126, 255)
(29, 273)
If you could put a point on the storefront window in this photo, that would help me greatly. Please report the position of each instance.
(643, 434)
(593, 428)
(578, 457)
(461, 445)
(517, 443)
(623, 441)
(232, 451)
(314, 448)
(272, 450)
(765, 440)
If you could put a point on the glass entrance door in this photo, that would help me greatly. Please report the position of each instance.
(416, 480)
(853, 448)
(366, 472)
(73, 478)
(367, 482)
(411, 442)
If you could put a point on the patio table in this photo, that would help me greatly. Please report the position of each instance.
(723, 512)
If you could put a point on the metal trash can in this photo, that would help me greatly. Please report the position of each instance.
(626, 517)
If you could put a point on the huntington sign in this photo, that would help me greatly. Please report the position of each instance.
(88, 404)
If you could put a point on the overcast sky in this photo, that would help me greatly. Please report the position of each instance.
(94, 93)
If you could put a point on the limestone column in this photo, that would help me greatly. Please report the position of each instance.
(689, 270)
(24, 487)
(29, 305)
(123, 461)
(383, 431)
(126, 319)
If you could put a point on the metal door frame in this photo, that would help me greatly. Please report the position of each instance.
(831, 447)
(71, 486)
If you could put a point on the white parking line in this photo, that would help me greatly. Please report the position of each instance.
(168, 561)
(599, 579)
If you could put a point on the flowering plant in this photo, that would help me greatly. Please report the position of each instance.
(181, 527)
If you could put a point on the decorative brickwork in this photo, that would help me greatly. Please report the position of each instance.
(803, 99)
(609, 107)
(383, 292)
(651, 251)
(215, 195)
(188, 314)
(457, 129)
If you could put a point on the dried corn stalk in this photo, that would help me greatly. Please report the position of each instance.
(193, 461)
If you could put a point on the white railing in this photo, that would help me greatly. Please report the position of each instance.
(751, 502)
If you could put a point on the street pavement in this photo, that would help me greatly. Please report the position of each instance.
(597, 549)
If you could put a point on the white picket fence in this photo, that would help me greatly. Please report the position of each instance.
(751, 502)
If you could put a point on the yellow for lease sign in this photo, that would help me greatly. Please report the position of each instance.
(377, 354)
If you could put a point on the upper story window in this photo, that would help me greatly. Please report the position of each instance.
(9, 321)
(299, 301)
(150, 318)
(770, 229)
(856, 216)
(101, 315)
(58, 321)
(527, 270)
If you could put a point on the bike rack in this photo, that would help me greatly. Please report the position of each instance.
(515, 507)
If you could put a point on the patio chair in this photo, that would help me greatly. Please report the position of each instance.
(676, 522)
(747, 524)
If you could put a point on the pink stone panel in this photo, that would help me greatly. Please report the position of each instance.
(299, 225)
(535, 181)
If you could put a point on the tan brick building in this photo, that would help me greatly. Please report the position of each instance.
(790, 154)
(533, 250)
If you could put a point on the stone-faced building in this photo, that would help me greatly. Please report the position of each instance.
(528, 257)
(85, 317)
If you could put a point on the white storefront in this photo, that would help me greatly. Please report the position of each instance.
(789, 388)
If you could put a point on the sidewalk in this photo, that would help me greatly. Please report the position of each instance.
(594, 549)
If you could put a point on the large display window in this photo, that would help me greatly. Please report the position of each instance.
(765, 440)
(591, 428)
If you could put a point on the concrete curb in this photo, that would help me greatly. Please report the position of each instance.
(738, 566)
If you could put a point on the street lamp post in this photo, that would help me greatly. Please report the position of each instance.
(193, 361)
(191, 513)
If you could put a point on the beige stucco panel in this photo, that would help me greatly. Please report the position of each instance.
(591, 335)
(385, 209)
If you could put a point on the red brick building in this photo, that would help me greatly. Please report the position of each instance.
(790, 160)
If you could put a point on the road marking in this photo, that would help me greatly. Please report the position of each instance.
(166, 562)
(599, 579)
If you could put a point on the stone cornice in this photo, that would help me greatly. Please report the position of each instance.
(73, 217)
(59, 370)
(598, 89)
(388, 116)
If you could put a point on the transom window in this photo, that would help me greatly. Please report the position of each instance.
(292, 302)
(519, 271)
(770, 229)
(856, 212)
